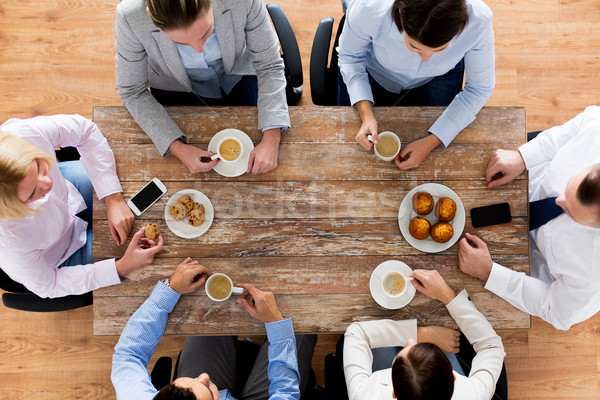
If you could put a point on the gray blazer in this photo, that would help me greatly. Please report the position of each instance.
(147, 57)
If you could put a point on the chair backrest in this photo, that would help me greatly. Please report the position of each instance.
(7, 284)
(324, 75)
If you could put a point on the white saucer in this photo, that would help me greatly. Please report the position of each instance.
(406, 213)
(238, 167)
(182, 228)
(377, 292)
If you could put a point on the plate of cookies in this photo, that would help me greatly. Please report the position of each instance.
(431, 217)
(189, 213)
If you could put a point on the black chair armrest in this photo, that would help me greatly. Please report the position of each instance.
(532, 135)
(7, 284)
(161, 372)
(32, 302)
(318, 62)
(289, 45)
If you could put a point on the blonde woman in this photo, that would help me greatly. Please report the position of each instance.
(45, 208)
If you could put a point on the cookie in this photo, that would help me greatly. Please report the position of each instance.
(198, 206)
(195, 218)
(152, 231)
(188, 202)
(178, 211)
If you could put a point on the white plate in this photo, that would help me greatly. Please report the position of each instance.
(406, 213)
(238, 167)
(377, 290)
(182, 228)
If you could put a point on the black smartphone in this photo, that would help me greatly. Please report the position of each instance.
(490, 215)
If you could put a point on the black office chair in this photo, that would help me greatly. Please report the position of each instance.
(324, 78)
(532, 135)
(289, 52)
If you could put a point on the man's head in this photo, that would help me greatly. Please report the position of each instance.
(199, 388)
(422, 372)
(581, 199)
(430, 24)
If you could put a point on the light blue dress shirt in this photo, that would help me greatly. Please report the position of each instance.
(147, 326)
(372, 42)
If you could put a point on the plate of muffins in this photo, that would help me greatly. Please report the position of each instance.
(189, 213)
(431, 217)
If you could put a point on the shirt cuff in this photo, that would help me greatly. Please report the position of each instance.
(164, 296)
(445, 130)
(182, 139)
(282, 127)
(455, 302)
(532, 154)
(280, 330)
(498, 279)
(105, 273)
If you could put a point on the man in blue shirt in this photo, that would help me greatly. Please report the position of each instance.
(207, 366)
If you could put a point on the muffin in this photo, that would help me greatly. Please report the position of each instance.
(441, 232)
(178, 211)
(152, 231)
(419, 228)
(422, 203)
(445, 209)
(187, 201)
(195, 217)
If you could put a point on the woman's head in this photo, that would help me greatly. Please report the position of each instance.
(422, 372)
(176, 14)
(24, 176)
(432, 23)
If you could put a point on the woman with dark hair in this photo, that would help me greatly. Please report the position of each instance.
(421, 371)
(415, 53)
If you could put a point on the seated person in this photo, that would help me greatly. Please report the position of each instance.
(46, 209)
(564, 174)
(200, 52)
(414, 53)
(421, 370)
(207, 366)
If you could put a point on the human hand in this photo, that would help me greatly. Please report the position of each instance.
(504, 166)
(431, 284)
(474, 257)
(260, 305)
(369, 125)
(188, 276)
(446, 339)
(265, 156)
(192, 157)
(120, 218)
(416, 152)
(139, 253)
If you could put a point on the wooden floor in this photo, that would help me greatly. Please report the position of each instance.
(56, 56)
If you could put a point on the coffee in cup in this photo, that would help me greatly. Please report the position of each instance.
(219, 287)
(388, 146)
(229, 149)
(394, 284)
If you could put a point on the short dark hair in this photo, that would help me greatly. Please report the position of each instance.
(176, 14)
(430, 22)
(172, 392)
(424, 374)
(588, 192)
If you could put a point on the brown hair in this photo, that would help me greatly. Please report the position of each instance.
(172, 392)
(176, 14)
(432, 23)
(588, 192)
(424, 374)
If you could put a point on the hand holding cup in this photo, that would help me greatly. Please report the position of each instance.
(189, 276)
(431, 284)
(260, 305)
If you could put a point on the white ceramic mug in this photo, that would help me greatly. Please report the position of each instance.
(391, 135)
(389, 284)
(232, 289)
(220, 157)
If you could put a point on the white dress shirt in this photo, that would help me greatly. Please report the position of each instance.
(34, 246)
(361, 337)
(372, 42)
(564, 287)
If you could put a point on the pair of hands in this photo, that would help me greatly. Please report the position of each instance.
(411, 155)
(263, 158)
(190, 275)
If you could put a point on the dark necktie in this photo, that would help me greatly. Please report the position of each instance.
(542, 211)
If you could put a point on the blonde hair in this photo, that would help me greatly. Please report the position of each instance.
(16, 156)
(176, 14)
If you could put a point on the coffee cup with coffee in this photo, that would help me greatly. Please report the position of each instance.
(219, 287)
(229, 149)
(388, 146)
(394, 284)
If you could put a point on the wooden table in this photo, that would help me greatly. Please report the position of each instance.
(313, 229)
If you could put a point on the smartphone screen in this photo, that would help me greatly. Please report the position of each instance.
(145, 197)
(490, 215)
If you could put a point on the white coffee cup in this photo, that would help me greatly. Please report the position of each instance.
(220, 293)
(227, 157)
(394, 284)
(386, 136)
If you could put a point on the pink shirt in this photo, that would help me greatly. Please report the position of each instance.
(32, 248)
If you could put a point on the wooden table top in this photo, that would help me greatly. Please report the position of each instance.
(313, 229)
